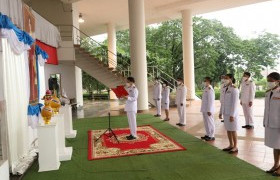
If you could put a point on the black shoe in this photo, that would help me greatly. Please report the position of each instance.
(178, 124)
(246, 126)
(127, 137)
(233, 151)
(131, 138)
(272, 170)
(210, 139)
(181, 125)
(204, 137)
(250, 127)
(166, 119)
(228, 149)
(157, 115)
(222, 121)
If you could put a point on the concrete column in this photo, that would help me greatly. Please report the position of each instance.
(79, 87)
(112, 51)
(188, 53)
(138, 50)
(112, 45)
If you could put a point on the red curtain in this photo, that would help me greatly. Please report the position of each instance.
(52, 52)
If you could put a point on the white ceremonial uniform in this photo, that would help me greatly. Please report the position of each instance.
(222, 92)
(248, 90)
(157, 97)
(165, 97)
(181, 95)
(131, 109)
(272, 119)
(230, 108)
(208, 105)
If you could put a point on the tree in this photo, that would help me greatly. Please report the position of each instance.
(217, 49)
(90, 84)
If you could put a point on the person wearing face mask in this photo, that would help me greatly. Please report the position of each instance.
(230, 112)
(208, 110)
(157, 96)
(165, 99)
(248, 90)
(222, 90)
(131, 107)
(271, 120)
(181, 94)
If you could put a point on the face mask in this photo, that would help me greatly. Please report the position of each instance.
(164, 85)
(244, 78)
(271, 85)
(179, 83)
(204, 84)
(227, 81)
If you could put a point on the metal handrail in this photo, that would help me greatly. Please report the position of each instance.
(103, 55)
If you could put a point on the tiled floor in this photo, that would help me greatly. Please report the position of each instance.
(250, 142)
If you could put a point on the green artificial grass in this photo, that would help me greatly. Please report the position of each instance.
(199, 162)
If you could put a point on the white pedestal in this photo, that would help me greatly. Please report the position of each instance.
(48, 147)
(65, 153)
(4, 170)
(68, 125)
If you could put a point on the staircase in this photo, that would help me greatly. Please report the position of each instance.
(92, 57)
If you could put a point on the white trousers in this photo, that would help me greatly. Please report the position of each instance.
(209, 124)
(182, 113)
(131, 116)
(248, 113)
(158, 106)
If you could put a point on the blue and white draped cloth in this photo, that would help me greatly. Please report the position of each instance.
(20, 41)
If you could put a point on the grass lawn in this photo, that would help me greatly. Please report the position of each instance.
(199, 162)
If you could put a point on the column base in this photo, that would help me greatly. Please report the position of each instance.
(66, 155)
(72, 134)
(53, 168)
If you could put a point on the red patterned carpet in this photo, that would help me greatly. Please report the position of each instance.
(149, 141)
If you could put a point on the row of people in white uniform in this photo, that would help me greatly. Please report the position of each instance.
(161, 98)
(229, 112)
(229, 109)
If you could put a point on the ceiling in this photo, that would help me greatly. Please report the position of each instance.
(98, 13)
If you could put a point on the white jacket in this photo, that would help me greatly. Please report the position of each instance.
(157, 91)
(248, 90)
(131, 102)
(222, 92)
(272, 109)
(208, 100)
(181, 95)
(165, 95)
(231, 102)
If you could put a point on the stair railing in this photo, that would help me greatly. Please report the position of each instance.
(117, 61)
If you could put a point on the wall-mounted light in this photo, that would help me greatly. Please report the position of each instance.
(81, 20)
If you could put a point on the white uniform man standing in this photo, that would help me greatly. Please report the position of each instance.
(222, 91)
(157, 96)
(131, 107)
(181, 94)
(208, 109)
(248, 90)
